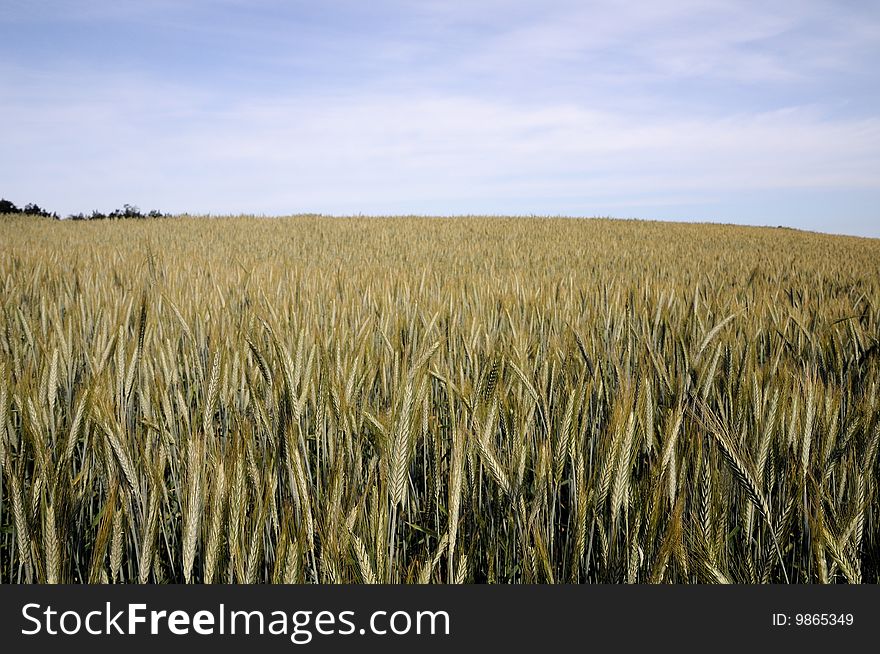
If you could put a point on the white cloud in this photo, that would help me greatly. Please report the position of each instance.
(189, 150)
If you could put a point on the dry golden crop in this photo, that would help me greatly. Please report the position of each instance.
(481, 399)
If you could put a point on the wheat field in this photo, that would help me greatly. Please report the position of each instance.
(436, 400)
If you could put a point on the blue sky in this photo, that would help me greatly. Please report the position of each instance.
(723, 110)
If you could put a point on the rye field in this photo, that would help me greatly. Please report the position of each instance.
(436, 400)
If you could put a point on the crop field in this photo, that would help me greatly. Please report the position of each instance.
(443, 400)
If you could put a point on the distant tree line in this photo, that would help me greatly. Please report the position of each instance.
(127, 211)
(31, 209)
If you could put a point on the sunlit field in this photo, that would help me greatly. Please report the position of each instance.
(444, 400)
